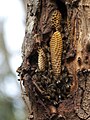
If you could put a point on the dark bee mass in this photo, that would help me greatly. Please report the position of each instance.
(49, 78)
(46, 85)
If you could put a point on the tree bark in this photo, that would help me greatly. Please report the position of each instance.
(56, 82)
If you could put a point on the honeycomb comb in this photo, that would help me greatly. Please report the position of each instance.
(56, 19)
(56, 52)
(41, 59)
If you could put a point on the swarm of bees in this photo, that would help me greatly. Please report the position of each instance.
(53, 81)
(50, 78)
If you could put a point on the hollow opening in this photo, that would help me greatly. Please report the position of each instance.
(33, 58)
(62, 8)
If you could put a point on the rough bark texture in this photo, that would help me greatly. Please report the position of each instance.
(47, 96)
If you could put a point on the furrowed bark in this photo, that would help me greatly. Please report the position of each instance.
(66, 96)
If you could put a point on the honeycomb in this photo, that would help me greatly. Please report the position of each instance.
(41, 59)
(56, 52)
(56, 19)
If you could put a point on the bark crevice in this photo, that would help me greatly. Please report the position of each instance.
(50, 96)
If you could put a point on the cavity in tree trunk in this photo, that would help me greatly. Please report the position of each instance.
(55, 70)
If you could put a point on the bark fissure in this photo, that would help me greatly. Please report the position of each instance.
(57, 34)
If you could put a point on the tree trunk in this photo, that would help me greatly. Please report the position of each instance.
(55, 71)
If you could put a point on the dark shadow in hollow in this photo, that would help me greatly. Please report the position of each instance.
(33, 58)
(62, 8)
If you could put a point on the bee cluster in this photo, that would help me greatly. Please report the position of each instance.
(52, 89)
(45, 84)
(50, 83)
(48, 75)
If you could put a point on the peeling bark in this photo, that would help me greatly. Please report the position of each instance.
(66, 97)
